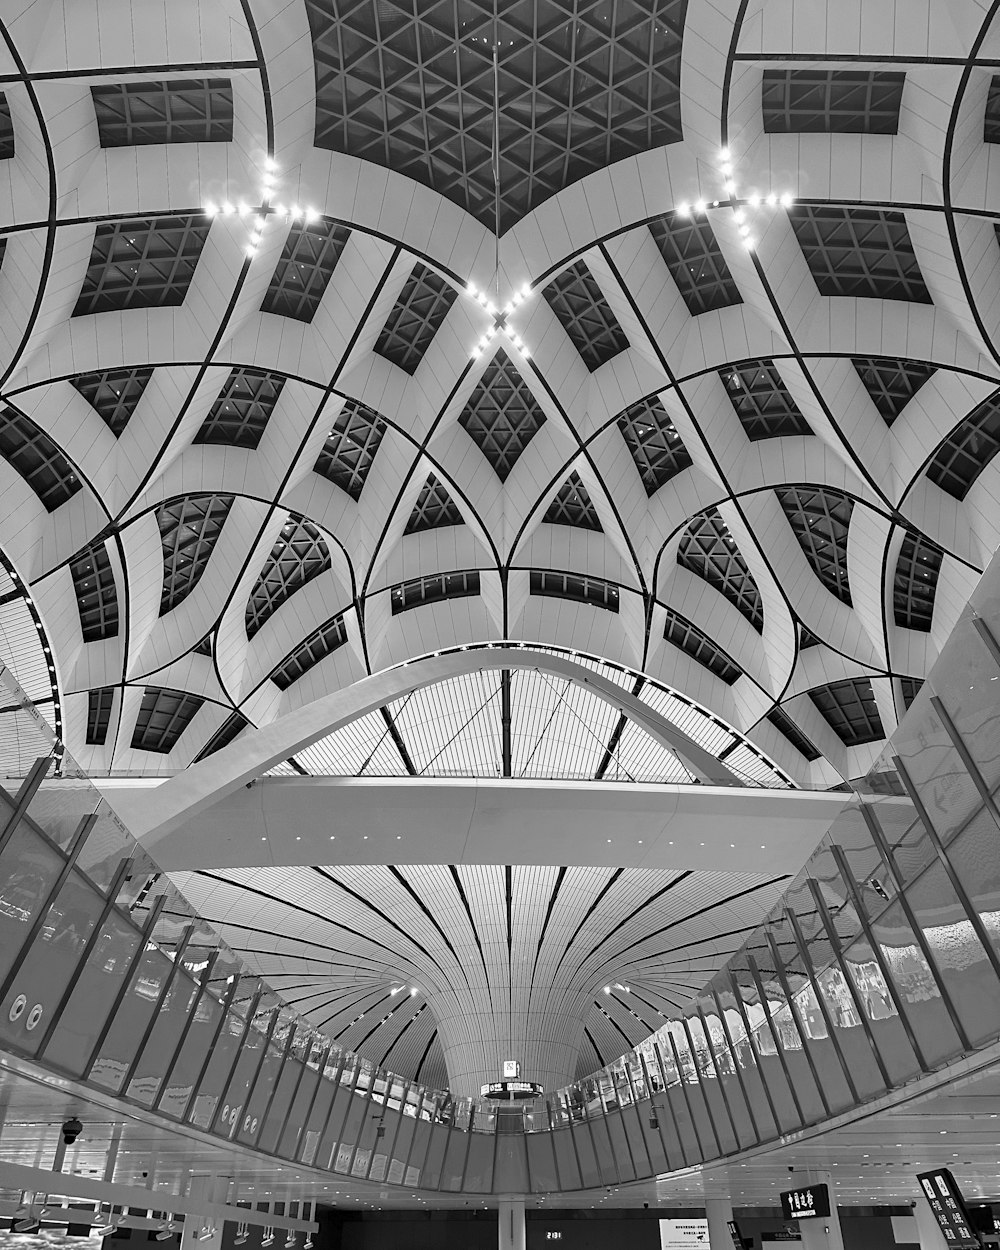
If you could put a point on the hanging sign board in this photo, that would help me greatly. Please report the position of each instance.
(805, 1204)
(948, 1205)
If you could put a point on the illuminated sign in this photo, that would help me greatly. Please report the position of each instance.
(511, 1069)
(805, 1204)
(734, 1232)
(511, 1090)
(553, 1234)
(946, 1201)
(683, 1234)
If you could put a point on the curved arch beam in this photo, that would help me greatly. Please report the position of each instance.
(153, 814)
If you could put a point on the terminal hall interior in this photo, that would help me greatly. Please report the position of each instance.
(499, 624)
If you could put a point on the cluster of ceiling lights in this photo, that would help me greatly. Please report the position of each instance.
(739, 205)
(258, 216)
(58, 746)
(500, 320)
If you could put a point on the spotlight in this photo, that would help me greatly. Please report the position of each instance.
(210, 210)
(700, 206)
(684, 209)
(724, 154)
(280, 209)
(205, 1233)
(772, 200)
(730, 187)
(787, 200)
(295, 212)
(164, 1234)
(748, 244)
(242, 209)
(311, 216)
(71, 1130)
(525, 291)
(754, 201)
(270, 164)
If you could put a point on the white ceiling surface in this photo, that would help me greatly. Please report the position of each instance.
(782, 315)
(310, 820)
(560, 968)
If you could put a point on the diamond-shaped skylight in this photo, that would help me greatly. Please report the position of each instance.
(502, 416)
(696, 263)
(968, 449)
(96, 593)
(38, 459)
(179, 110)
(415, 318)
(585, 315)
(850, 710)
(709, 550)
(434, 508)
(240, 414)
(323, 641)
(915, 582)
(859, 252)
(304, 270)
(761, 399)
(163, 716)
(845, 101)
(410, 87)
(189, 529)
(350, 447)
(147, 262)
(682, 633)
(299, 554)
(113, 393)
(572, 505)
(655, 445)
(820, 519)
(909, 688)
(891, 382)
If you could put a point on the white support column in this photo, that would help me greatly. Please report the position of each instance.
(928, 1229)
(719, 1211)
(510, 1230)
(212, 1189)
(824, 1231)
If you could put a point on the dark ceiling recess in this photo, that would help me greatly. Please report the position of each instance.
(582, 83)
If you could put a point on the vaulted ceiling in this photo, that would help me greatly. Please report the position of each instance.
(335, 335)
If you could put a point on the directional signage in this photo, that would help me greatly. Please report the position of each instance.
(734, 1232)
(511, 1090)
(804, 1204)
(948, 1205)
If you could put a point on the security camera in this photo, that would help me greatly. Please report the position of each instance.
(71, 1130)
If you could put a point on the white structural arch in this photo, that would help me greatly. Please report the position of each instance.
(151, 815)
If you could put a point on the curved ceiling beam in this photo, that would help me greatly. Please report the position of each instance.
(150, 815)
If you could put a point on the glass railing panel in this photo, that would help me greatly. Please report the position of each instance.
(434, 1158)
(117, 1051)
(223, 1055)
(259, 1096)
(93, 997)
(29, 869)
(967, 973)
(542, 1172)
(586, 1153)
(168, 1025)
(567, 1164)
(47, 965)
(615, 1130)
(967, 681)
